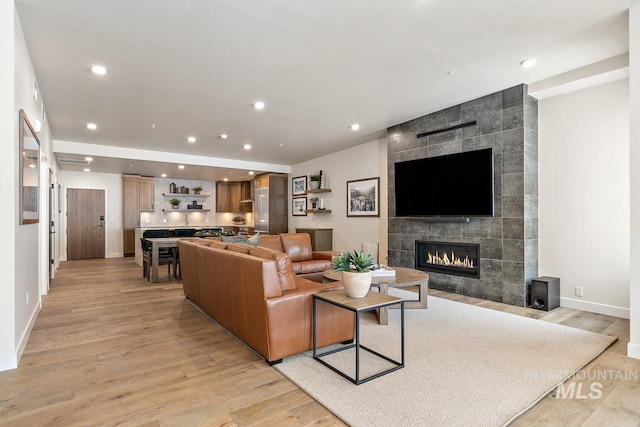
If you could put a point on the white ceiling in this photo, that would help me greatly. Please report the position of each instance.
(195, 67)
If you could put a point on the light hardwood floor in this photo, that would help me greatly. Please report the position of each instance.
(109, 348)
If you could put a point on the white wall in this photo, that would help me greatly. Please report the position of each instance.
(364, 161)
(8, 138)
(112, 184)
(634, 93)
(26, 269)
(584, 196)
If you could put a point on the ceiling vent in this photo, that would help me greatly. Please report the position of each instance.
(77, 162)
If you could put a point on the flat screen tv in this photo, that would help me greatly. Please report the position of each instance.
(455, 185)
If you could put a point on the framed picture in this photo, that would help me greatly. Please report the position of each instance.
(299, 185)
(299, 206)
(363, 197)
(29, 183)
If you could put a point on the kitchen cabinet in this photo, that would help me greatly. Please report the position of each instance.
(147, 194)
(232, 196)
(137, 196)
(321, 238)
(129, 242)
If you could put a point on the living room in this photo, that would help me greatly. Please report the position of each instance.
(585, 213)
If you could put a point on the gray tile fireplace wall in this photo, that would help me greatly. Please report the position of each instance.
(507, 121)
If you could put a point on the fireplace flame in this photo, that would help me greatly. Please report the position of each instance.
(452, 261)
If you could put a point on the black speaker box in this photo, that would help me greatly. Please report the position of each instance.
(545, 293)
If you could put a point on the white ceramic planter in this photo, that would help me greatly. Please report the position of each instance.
(356, 284)
(314, 185)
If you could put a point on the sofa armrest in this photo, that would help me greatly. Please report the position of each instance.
(289, 320)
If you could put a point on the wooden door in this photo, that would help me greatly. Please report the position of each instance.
(85, 223)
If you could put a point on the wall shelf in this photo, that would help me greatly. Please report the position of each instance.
(186, 210)
(318, 211)
(185, 195)
(319, 190)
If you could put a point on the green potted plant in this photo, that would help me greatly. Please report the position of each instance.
(175, 203)
(315, 181)
(314, 202)
(356, 272)
(197, 190)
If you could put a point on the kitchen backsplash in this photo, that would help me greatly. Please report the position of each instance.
(160, 218)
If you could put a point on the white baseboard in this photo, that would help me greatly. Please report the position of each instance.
(8, 361)
(594, 307)
(25, 336)
(115, 255)
(633, 350)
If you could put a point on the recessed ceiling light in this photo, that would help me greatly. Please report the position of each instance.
(153, 125)
(191, 139)
(527, 63)
(89, 159)
(225, 179)
(87, 170)
(250, 172)
(180, 166)
(247, 146)
(452, 72)
(355, 126)
(92, 126)
(259, 105)
(224, 136)
(99, 70)
(164, 175)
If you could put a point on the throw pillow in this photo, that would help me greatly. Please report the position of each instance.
(235, 239)
(254, 240)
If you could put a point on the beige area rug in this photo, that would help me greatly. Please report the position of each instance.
(464, 365)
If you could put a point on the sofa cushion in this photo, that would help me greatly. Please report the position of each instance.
(315, 266)
(216, 244)
(206, 240)
(285, 269)
(243, 248)
(271, 242)
(297, 246)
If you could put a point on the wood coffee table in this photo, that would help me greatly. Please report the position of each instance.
(404, 277)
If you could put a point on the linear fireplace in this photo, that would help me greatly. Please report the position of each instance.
(460, 259)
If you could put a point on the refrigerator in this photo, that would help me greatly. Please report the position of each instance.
(270, 204)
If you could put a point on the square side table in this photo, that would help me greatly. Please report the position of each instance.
(372, 301)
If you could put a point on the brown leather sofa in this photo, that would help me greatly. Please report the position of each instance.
(253, 293)
(306, 263)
